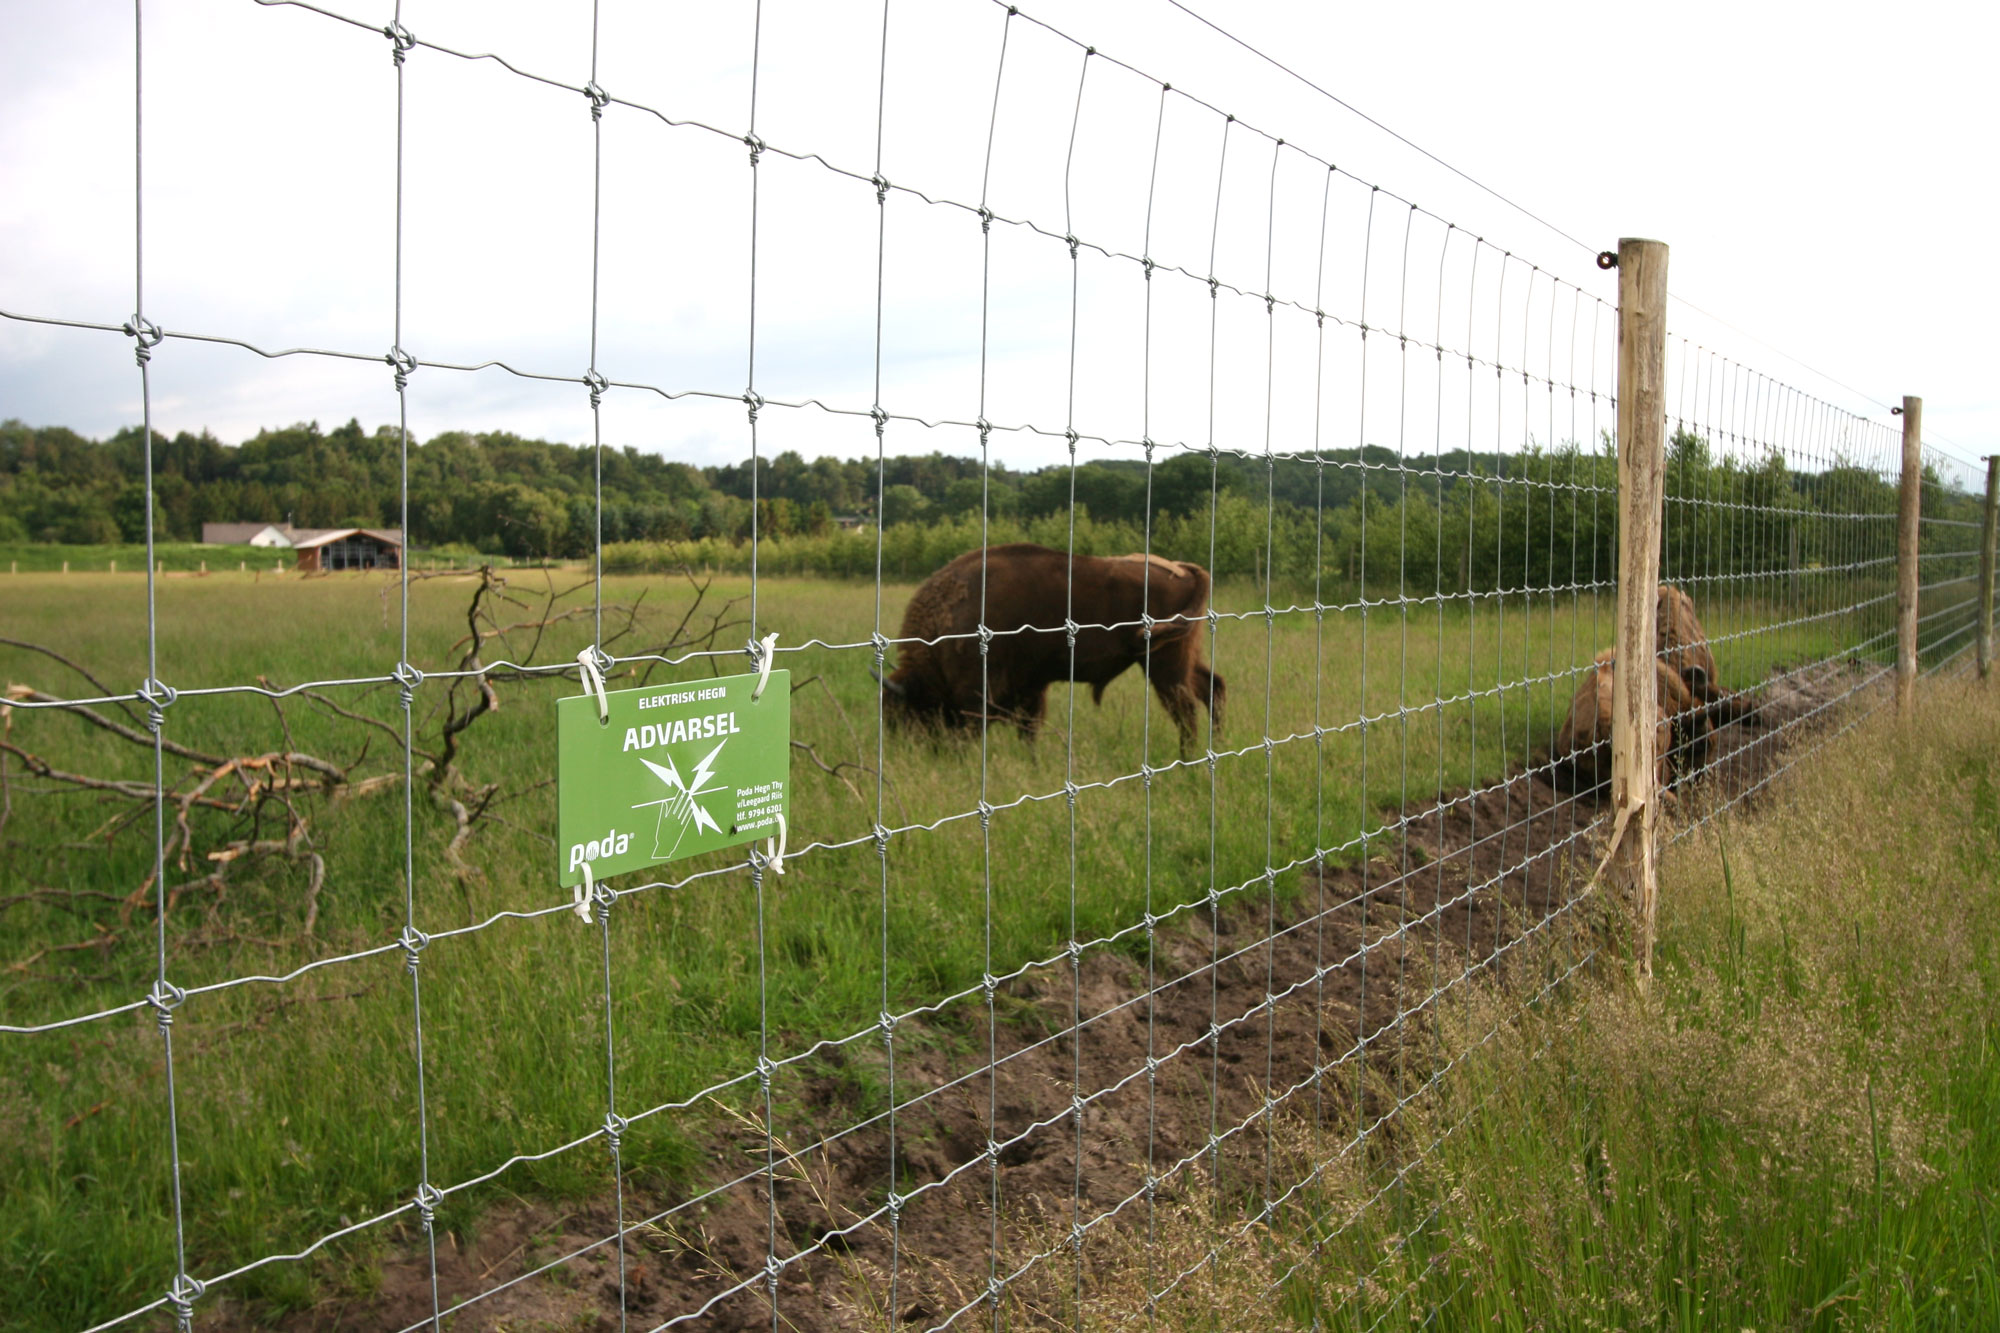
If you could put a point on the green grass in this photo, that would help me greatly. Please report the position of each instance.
(1798, 1130)
(297, 1104)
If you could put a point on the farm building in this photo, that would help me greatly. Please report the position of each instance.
(319, 548)
(349, 548)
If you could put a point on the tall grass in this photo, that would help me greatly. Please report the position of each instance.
(1799, 1129)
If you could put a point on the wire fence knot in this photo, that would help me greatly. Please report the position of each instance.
(1074, 244)
(985, 219)
(597, 384)
(882, 840)
(772, 1268)
(403, 364)
(887, 1022)
(429, 1198)
(615, 1126)
(1147, 266)
(881, 184)
(182, 1295)
(164, 998)
(1070, 790)
(412, 941)
(147, 335)
(880, 418)
(753, 401)
(401, 39)
(158, 697)
(407, 678)
(599, 99)
(756, 147)
(765, 1069)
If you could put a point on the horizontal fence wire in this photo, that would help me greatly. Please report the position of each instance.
(1088, 1013)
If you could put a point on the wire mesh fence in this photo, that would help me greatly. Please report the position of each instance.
(1050, 1010)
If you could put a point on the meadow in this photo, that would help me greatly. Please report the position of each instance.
(297, 1102)
(1794, 1130)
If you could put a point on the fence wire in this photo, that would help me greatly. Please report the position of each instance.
(1105, 1028)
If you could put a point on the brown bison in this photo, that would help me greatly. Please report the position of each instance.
(1028, 591)
(1683, 645)
(1581, 756)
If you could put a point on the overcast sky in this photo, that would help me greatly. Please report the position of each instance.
(1822, 186)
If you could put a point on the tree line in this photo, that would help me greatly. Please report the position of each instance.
(1455, 521)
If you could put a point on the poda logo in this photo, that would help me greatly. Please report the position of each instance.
(613, 843)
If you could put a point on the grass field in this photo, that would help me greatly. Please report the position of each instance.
(297, 1103)
(1798, 1130)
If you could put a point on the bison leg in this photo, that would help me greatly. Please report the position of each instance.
(1212, 692)
(1168, 670)
(1028, 711)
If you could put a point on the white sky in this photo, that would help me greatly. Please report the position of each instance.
(1818, 182)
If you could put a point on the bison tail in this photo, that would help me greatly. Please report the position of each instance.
(1097, 692)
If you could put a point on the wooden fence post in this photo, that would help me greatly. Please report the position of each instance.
(1987, 543)
(1635, 708)
(1909, 515)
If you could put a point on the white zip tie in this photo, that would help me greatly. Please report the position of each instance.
(774, 848)
(593, 681)
(581, 894)
(764, 672)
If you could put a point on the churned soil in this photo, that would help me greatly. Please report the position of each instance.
(1176, 1062)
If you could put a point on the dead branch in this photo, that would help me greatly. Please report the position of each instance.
(57, 657)
(97, 719)
(104, 939)
(833, 770)
(393, 733)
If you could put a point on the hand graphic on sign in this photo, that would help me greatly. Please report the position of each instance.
(680, 806)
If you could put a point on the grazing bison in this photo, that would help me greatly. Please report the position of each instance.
(1683, 646)
(1028, 591)
(1581, 756)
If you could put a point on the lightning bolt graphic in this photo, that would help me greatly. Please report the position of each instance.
(680, 804)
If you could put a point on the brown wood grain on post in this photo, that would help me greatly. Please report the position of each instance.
(1909, 515)
(1642, 421)
(1988, 539)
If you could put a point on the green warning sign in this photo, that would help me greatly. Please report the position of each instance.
(672, 771)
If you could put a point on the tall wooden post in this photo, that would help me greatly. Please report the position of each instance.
(1909, 514)
(1986, 553)
(1635, 707)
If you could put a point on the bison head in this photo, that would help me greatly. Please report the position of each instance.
(908, 700)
